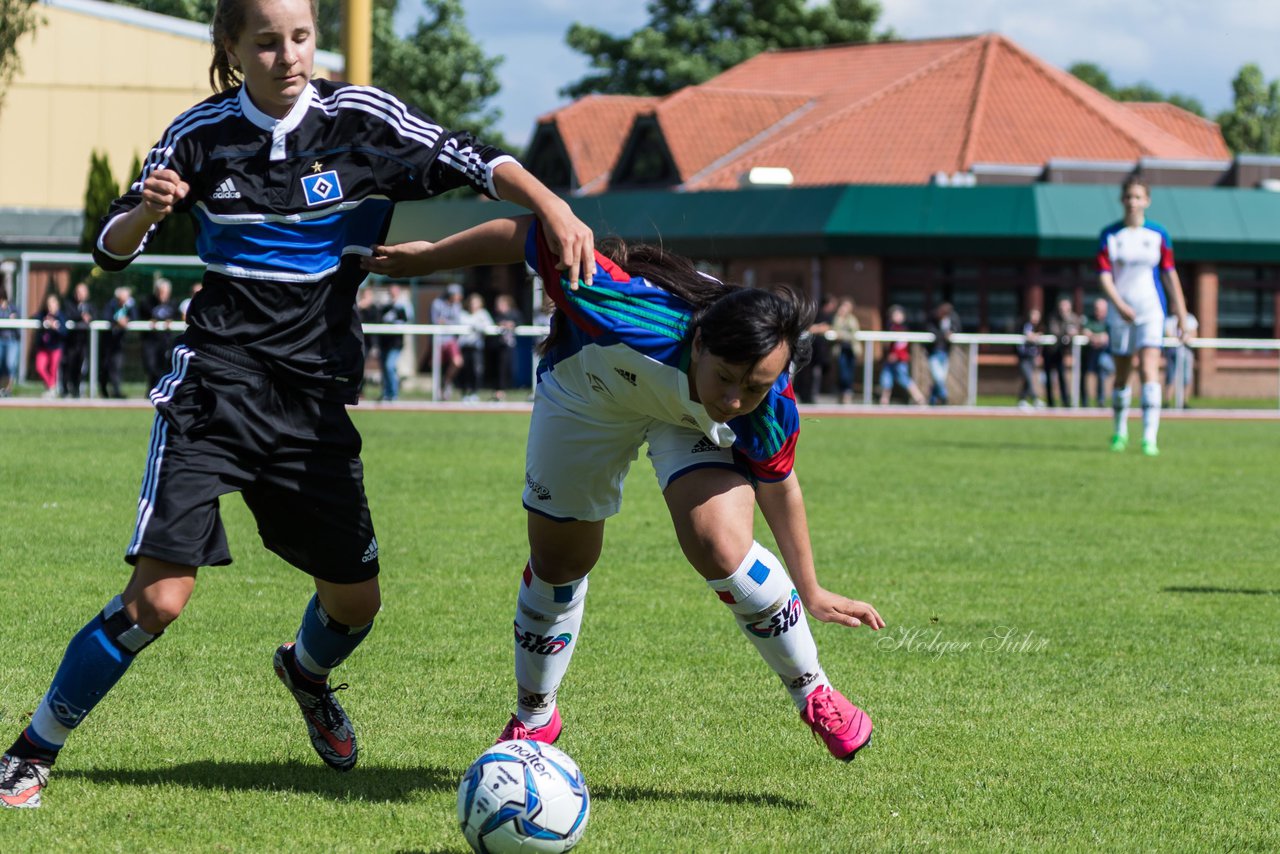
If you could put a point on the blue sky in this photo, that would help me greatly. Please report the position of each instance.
(1186, 46)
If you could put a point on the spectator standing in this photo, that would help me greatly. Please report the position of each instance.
(1172, 356)
(1135, 259)
(472, 343)
(942, 325)
(846, 328)
(1097, 358)
(1028, 355)
(120, 311)
(157, 342)
(10, 345)
(80, 313)
(896, 370)
(446, 310)
(1063, 325)
(367, 311)
(809, 379)
(185, 305)
(507, 317)
(390, 344)
(50, 338)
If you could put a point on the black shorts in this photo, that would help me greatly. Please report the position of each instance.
(225, 426)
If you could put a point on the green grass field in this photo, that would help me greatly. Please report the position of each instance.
(1081, 650)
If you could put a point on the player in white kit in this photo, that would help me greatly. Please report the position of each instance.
(1136, 271)
(650, 351)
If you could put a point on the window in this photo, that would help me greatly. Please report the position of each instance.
(1247, 302)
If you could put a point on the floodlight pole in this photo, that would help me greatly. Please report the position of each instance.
(357, 41)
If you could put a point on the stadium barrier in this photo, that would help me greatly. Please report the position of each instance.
(868, 340)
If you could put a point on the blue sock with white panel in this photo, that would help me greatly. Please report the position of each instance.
(323, 643)
(95, 660)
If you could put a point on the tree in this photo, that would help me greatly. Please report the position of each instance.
(17, 18)
(1252, 125)
(687, 42)
(100, 191)
(1099, 79)
(439, 69)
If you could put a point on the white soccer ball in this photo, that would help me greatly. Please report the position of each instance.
(523, 796)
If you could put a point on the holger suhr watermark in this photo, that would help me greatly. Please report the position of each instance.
(931, 641)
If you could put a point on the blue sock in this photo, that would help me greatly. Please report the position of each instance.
(323, 643)
(95, 660)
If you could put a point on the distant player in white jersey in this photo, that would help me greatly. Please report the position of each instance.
(650, 351)
(1136, 271)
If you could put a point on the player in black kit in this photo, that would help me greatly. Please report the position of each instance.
(290, 182)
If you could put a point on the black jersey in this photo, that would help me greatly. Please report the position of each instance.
(285, 208)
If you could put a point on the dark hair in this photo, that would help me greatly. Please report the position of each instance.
(228, 22)
(1134, 181)
(747, 324)
(739, 324)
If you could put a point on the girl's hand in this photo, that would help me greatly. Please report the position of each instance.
(400, 260)
(571, 239)
(162, 190)
(1125, 311)
(833, 608)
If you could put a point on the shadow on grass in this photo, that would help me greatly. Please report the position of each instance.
(364, 783)
(637, 793)
(371, 784)
(1242, 591)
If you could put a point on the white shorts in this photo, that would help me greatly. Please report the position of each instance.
(1128, 338)
(578, 456)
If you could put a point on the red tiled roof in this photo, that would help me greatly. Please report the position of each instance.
(1200, 132)
(722, 121)
(890, 112)
(593, 130)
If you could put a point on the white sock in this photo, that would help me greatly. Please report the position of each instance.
(1120, 400)
(761, 597)
(548, 618)
(1150, 411)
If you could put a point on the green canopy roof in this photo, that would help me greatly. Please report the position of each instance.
(1032, 221)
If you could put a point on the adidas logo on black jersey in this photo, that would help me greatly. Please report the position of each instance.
(704, 445)
(226, 190)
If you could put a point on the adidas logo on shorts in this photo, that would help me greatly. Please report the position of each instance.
(704, 445)
(371, 553)
(226, 190)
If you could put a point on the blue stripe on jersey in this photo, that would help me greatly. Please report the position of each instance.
(308, 247)
(764, 432)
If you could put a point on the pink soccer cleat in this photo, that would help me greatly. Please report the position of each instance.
(841, 725)
(515, 730)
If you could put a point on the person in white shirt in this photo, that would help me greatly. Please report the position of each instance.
(1136, 271)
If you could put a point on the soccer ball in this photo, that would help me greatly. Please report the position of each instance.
(523, 796)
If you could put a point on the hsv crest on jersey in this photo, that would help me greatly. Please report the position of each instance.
(322, 187)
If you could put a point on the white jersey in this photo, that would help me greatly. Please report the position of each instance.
(1135, 256)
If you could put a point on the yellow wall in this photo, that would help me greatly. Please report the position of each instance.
(88, 82)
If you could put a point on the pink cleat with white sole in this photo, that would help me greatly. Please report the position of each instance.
(843, 727)
(516, 730)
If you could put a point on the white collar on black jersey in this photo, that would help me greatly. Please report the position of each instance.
(278, 127)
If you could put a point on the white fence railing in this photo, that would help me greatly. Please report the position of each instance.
(868, 340)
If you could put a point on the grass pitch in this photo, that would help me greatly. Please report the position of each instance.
(1081, 650)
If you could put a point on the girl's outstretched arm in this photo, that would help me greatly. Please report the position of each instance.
(499, 241)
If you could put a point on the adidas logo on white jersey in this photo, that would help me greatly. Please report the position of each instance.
(371, 553)
(226, 190)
